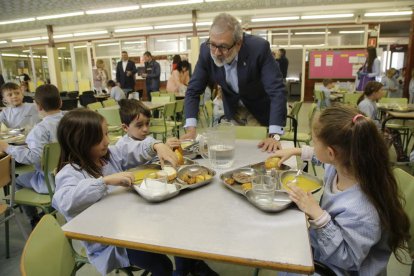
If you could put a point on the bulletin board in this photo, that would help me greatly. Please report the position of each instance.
(335, 64)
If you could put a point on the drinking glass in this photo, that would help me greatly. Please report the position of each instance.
(263, 187)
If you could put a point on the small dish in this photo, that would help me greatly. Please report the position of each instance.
(278, 202)
(194, 176)
(171, 191)
(305, 181)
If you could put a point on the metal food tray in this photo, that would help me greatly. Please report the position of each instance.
(280, 201)
(187, 161)
(194, 170)
(260, 167)
(158, 198)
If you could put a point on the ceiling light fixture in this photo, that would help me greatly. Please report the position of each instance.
(61, 48)
(167, 40)
(17, 21)
(311, 33)
(63, 36)
(137, 29)
(108, 44)
(27, 39)
(90, 33)
(265, 19)
(3, 41)
(10, 55)
(135, 42)
(167, 4)
(111, 10)
(352, 32)
(60, 15)
(204, 23)
(280, 33)
(80, 46)
(371, 14)
(182, 25)
(325, 16)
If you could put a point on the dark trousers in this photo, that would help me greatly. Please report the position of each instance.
(157, 264)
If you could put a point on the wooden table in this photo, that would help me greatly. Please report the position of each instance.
(210, 222)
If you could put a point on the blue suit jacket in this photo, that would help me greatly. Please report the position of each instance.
(261, 87)
(121, 76)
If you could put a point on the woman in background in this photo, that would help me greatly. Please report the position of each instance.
(370, 70)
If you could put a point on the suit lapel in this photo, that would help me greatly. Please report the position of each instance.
(242, 66)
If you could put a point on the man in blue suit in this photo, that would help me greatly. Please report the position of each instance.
(250, 78)
(125, 73)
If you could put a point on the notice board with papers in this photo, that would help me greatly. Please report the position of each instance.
(335, 64)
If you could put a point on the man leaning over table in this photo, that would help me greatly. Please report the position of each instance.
(250, 78)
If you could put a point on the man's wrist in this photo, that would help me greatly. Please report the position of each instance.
(275, 136)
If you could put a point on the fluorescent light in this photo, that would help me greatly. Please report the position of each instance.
(280, 33)
(10, 55)
(80, 46)
(17, 21)
(167, 40)
(63, 36)
(352, 32)
(60, 15)
(27, 39)
(214, 0)
(26, 51)
(204, 23)
(291, 46)
(61, 48)
(370, 14)
(110, 10)
(324, 16)
(182, 25)
(90, 33)
(137, 29)
(108, 44)
(135, 42)
(314, 45)
(311, 33)
(3, 41)
(167, 4)
(264, 19)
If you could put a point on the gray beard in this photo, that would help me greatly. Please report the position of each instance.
(217, 62)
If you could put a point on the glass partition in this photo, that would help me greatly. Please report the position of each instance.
(346, 36)
(65, 66)
(82, 67)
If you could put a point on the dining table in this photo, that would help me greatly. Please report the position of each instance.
(149, 105)
(210, 222)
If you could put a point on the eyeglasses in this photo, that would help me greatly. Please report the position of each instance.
(221, 48)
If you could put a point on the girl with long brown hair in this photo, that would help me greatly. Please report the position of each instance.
(359, 221)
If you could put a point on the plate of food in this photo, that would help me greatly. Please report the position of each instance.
(194, 176)
(305, 181)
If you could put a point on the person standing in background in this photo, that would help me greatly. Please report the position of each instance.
(125, 73)
(101, 76)
(370, 70)
(175, 61)
(152, 74)
(283, 62)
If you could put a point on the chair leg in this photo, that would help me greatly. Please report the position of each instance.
(256, 272)
(19, 224)
(6, 228)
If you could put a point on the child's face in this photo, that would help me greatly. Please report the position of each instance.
(378, 94)
(100, 150)
(13, 97)
(138, 128)
(321, 150)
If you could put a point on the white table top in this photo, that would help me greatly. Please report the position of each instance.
(210, 222)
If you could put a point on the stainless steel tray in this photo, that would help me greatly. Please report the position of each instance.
(260, 167)
(193, 171)
(278, 202)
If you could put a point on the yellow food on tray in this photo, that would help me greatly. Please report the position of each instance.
(246, 186)
(193, 179)
(140, 174)
(179, 152)
(272, 163)
(306, 184)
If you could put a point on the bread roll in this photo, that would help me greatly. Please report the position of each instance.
(272, 163)
(179, 153)
(171, 173)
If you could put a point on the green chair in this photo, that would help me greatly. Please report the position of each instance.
(405, 183)
(25, 196)
(155, 94)
(351, 99)
(94, 106)
(160, 99)
(208, 111)
(319, 97)
(394, 100)
(7, 182)
(164, 125)
(109, 102)
(251, 132)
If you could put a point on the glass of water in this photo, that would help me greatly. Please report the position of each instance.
(264, 187)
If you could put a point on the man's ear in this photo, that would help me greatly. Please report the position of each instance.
(124, 127)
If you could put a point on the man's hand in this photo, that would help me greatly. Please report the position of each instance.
(190, 134)
(269, 145)
(128, 73)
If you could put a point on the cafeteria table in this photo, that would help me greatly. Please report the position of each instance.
(210, 222)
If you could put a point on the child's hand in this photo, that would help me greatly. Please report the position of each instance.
(173, 142)
(119, 179)
(305, 202)
(285, 154)
(166, 154)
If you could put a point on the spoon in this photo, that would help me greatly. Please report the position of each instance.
(299, 172)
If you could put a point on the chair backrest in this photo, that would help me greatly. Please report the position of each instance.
(111, 115)
(169, 111)
(89, 92)
(208, 107)
(50, 160)
(73, 94)
(319, 95)
(109, 102)
(179, 106)
(6, 171)
(94, 106)
(161, 99)
(405, 183)
(86, 99)
(311, 115)
(394, 100)
(294, 112)
(351, 98)
(28, 99)
(47, 251)
(251, 132)
(155, 94)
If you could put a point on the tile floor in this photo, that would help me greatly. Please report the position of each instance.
(10, 267)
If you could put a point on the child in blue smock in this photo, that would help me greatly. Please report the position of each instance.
(17, 114)
(359, 221)
(135, 118)
(88, 169)
(48, 103)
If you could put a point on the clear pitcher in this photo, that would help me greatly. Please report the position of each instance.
(217, 145)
